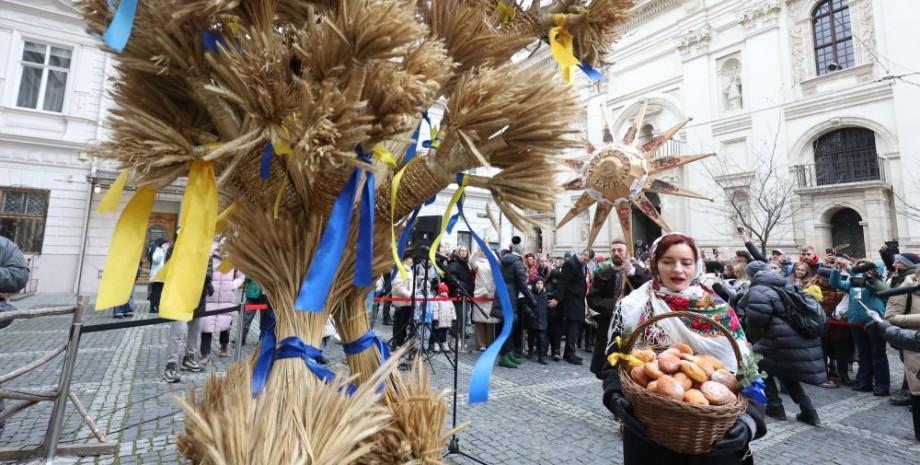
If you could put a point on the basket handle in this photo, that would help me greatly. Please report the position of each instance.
(627, 346)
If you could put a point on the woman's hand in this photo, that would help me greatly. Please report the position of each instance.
(622, 408)
(736, 439)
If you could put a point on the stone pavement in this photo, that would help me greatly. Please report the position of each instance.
(536, 414)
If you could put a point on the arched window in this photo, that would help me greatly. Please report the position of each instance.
(846, 155)
(833, 37)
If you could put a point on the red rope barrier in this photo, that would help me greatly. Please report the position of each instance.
(432, 299)
(844, 324)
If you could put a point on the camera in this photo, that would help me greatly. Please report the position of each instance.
(863, 268)
(857, 281)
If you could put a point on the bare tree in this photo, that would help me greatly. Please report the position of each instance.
(757, 198)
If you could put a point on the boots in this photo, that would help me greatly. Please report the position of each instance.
(506, 362)
(777, 412)
(540, 359)
(809, 417)
(514, 359)
(915, 411)
(902, 397)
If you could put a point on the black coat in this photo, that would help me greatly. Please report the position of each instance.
(786, 353)
(460, 276)
(539, 318)
(571, 289)
(605, 292)
(515, 277)
(636, 451)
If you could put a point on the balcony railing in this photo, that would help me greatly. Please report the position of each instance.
(839, 171)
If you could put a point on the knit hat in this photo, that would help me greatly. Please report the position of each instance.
(442, 288)
(825, 272)
(777, 252)
(907, 259)
(755, 267)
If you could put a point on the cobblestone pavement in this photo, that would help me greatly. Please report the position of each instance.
(536, 414)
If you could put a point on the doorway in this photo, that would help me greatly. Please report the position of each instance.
(644, 229)
(161, 225)
(846, 231)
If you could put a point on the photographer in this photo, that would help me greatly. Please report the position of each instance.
(862, 287)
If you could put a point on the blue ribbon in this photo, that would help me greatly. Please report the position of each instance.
(413, 147)
(289, 347)
(210, 41)
(592, 73)
(365, 342)
(265, 167)
(119, 30)
(482, 371)
(756, 391)
(315, 288)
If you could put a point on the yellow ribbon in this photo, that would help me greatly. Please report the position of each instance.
(189, 262)
(276, 209)
(223, 217)
(506, 12)
(562, 46)
(384, 156)
(616, 357)
(435, 141)
(394, 188)
(225, 266)
(125, 252)
(109, 202)
(444, 220)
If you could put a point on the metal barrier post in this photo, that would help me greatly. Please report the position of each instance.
(237, 352)
(60, 402)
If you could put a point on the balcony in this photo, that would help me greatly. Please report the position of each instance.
(840, 170)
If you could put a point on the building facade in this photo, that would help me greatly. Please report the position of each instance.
(53, 106)
(828, 89)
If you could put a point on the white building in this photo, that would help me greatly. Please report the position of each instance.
(52, 108)
(834, 82)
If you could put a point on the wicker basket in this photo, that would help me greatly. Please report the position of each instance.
(680, 426)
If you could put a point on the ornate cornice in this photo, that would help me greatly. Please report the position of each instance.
(695, 41)
(648, 9)
(762, 14)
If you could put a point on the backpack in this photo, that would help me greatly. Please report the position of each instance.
(803, 312)
(252, 290)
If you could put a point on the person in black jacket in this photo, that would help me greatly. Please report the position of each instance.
(905, 339)
(571, 290)
(613, 279)
(460, 284)
(555, 319)
(14, 274)
(538, 322)
(787, 355)
(515, 277)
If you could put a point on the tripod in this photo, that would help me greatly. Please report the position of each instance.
(415, 327)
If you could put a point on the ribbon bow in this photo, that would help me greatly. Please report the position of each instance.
(616, 357)
(315, 288)
(363, 343)
(562, 46)
(756, 391)
(289, 347)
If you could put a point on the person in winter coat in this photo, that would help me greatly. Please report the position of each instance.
(536, 332)
(254, 295)
(571, 291)
(901, 329)
(459, 281)
(402, 314)
(613, 279)
(14, 274)
(801, 275)
(788, 357)
(484, 324)
(676, 267)
(515, 277)
(555, 319)
(226, 287)
(157, 260)
(443, 316)
(836, 341)
(190, 331)
(862, 289)
(902, 266)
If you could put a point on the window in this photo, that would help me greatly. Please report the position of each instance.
(22, 217)
(846, 155)
(465, 239)
(44, 76)
(833, 38)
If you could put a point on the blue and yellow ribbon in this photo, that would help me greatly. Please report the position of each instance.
(446, 220)
(326, 260)
(119, 30)
(562, 46)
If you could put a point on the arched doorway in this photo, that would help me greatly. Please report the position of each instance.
(644, 229)
(845, 229)
(537, 240)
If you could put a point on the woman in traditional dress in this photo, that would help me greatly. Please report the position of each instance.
(676, 267)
